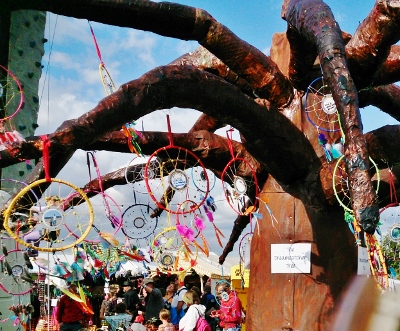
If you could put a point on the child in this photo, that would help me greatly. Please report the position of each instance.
(165, 319)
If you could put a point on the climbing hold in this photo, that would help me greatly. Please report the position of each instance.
(36, 17)
(37, 64)
(30, 74)
(35, 100)
(35, 125)
(27, 24)
(32, 44)
(22, 127)
(20, 52)
(21, 173)
(44, 40)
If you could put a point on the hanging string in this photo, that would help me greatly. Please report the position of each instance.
(96, 44)
(46, 156)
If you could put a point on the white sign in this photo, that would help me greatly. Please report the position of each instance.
(290, 258)
(362, 263)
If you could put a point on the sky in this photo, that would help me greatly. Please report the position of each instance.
(71, 85)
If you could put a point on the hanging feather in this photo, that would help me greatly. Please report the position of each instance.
(185, 232)
(205, 245)
(28, 261)
(133, 256)
(205, 251)
(337, 150)
(199, 223)
(176, 262)
(108, 239)
(250, 210)
(218, 233)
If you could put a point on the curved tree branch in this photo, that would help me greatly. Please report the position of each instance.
(314, 20)
(183, 22)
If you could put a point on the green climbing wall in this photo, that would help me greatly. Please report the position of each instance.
(25, 56)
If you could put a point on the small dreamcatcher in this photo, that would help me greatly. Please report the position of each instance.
(321, 112)
(202, 177)
(106, 79)
(190, 226)
(241, 191)
(174, 184)
(15, 279)
(138, 225)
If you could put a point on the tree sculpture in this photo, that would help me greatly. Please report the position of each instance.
(232, 82)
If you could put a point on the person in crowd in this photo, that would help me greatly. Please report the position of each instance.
(131, 298)
(165, 319)
(230, 312)
(110, 302)
(71, 314)
(209, 301)
(195, 310)
(154, 301)
(122, 316)
(197, 290)
(178, 306)
(137, 324)
(169, 295)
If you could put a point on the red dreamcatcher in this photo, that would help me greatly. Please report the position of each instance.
(174, 184)
(241, 191)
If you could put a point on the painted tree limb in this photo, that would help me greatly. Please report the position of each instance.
(389, 71)
(370, 45)
(314, 20)
(386, 98)
(183, 22)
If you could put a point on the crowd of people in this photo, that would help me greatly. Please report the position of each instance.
(136, 305)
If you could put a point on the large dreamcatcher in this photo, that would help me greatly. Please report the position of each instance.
(173, 184)
(43, 201)
(321, 112)
(241, 192)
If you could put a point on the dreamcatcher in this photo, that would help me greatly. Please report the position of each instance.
(241, 192)
(138, 226)
(15, 278)
(47, 213)
(106, 79)
(321, 112)
(190, 227)
(342, 194)
(107, 213)
(173, 177)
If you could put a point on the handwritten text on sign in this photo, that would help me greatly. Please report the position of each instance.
(290, 258)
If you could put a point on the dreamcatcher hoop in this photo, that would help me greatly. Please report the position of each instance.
(135, 224)
(322, 113)
(52, 219)
(173, 175)
(340, 179)
(237, 188)
(200, 177)
(13, 265)
(135, 170)
(9, 88)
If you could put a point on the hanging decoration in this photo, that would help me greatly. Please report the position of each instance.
(241, 192)
(173, 176)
